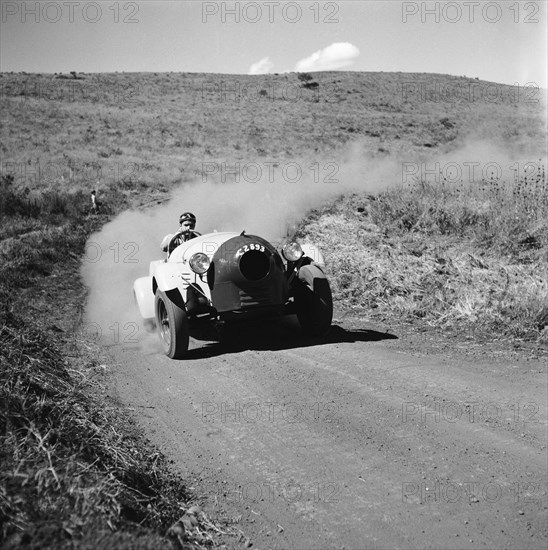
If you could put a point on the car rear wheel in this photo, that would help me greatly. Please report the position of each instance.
(172, 323)
(314, 307)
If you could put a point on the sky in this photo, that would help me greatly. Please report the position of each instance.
(502, 41)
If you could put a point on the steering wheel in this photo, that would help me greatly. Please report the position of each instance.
(177, 235)
(171, 241)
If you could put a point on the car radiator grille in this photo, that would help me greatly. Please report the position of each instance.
(259, 297)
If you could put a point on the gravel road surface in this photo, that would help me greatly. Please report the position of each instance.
(363, 441)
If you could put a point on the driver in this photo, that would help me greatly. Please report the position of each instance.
(187, 222)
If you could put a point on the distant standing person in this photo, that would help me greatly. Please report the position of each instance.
(94, 205)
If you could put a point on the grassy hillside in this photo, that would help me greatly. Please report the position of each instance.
(468, 257)
(167, 125)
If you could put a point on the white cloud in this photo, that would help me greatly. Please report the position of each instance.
(336, 56)
(263, 66)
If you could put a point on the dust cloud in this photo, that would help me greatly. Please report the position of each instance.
(475, 162)
(268, 200)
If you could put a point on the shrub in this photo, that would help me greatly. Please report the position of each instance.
(457, 259)
(304, 77)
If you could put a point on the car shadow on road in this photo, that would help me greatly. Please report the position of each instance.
(278, 335)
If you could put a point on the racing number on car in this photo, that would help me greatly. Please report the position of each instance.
(251, 246)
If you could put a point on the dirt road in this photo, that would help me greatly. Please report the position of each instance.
(361, 442)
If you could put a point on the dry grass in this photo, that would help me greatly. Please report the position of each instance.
(133, 132)
(472, 262)
(74, 472)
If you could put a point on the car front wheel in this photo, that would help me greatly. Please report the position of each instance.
(172, 324)
(314, 302)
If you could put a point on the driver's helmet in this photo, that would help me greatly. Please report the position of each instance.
(187, 216)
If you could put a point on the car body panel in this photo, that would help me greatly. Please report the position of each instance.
(144, 297)
(264, 284)
(313, 252)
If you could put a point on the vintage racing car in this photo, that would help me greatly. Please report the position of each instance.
(223, 278)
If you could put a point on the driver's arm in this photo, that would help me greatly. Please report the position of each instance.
(165, 241)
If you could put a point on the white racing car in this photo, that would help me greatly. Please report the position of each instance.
(223, 278)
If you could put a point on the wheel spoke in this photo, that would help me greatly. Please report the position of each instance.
(164, 318)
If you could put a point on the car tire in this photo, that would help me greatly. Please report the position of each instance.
(314, 307)
(172, 323)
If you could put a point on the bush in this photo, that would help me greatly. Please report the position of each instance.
(470, 261)
(65, 470)
(50, 206)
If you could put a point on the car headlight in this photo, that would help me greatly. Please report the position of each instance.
(199, 262)
(292, 251)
